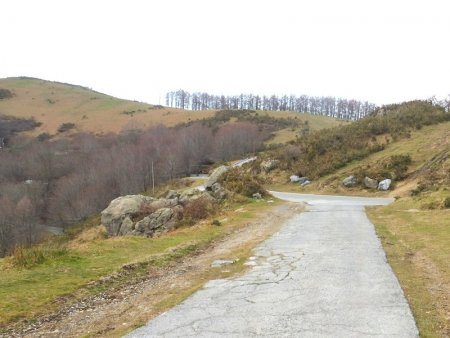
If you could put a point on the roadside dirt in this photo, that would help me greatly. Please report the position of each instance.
(117, 311)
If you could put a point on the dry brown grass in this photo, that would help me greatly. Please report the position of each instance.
(54, 104)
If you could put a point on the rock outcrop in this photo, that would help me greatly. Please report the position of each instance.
(370, 183)
(117, 216)
(350, 181)
(145, 216)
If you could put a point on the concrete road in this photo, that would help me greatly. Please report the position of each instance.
(324, 274)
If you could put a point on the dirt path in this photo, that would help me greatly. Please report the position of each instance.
(113, 313)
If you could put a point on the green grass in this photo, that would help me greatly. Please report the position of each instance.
(27, 292)
(417, 244)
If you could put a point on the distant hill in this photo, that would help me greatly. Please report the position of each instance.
(53, 104)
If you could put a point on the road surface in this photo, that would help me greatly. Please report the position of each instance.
(324, 274)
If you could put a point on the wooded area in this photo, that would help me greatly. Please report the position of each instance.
(316, 105)
(61, 182)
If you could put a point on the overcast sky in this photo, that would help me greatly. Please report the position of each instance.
(382, 51)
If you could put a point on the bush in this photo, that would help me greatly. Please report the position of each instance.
(243, 183)
(5, 94)
(447, 202)
(65, 127)
(198, 209)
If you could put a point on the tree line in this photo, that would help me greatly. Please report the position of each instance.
(316, 105)
(61, 182)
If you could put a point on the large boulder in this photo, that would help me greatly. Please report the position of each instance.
(370, 183)
(116, 214)
(269, 165)
(215, 175)
(350, 181)
(385, 184)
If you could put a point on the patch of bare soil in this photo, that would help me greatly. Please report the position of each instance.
(120, 309)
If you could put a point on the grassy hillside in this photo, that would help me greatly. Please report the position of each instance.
(53, 104)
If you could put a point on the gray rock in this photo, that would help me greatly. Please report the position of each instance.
(219, 192)
(269, 165)
(294, 178)
(172, 194)
(370, 183)
(350, 181)
(120, 208)
(385, 184)
(193, 194)
(215, 175)
(303, 179)
(162, 220)
(305, 183)
(257, 195)
(127, 226)
(162, 203)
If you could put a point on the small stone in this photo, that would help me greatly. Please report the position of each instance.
(222, 262)
(257, 196)
(350, 181)
(305, 183)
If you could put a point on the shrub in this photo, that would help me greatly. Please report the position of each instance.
(5, 94)
(198, 209)
(241, 182)
(66, 126)
(44, 137)
(447, 202)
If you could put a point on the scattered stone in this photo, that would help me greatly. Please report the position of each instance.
(294, 178)
(257, 196)
(350, 181)
(222, 262)
(305, 183)
(385, 184)
(250, 263)
(215, 175)
(370, 183)
(269, 165)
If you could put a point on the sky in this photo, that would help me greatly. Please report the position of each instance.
(383, 51)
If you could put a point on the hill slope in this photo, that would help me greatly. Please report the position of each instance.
(54, 103)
